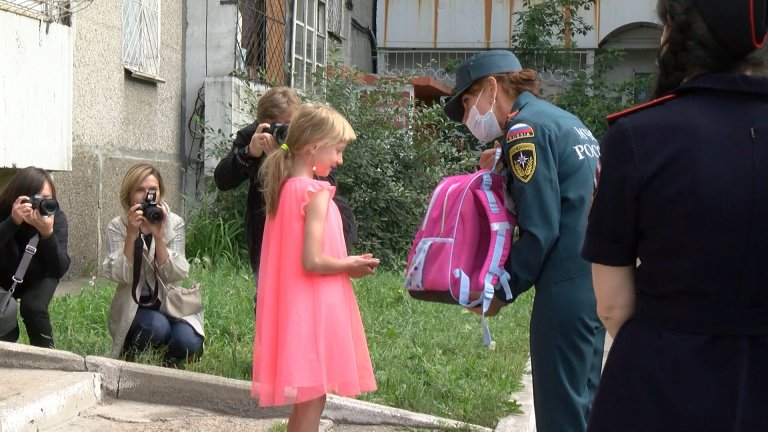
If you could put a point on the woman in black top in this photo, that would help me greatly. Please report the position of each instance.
(678, 232)
(19, 222)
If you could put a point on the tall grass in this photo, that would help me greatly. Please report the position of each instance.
(427, 357)
(214, 238)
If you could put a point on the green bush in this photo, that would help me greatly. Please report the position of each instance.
(401, 152)
(404, 148)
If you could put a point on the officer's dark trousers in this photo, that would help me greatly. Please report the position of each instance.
(567, 341)
(33, 307)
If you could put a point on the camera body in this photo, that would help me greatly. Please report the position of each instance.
(279, 131)
(46, 206)
(149, 207)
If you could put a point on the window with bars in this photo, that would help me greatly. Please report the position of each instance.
(335, 17)
(309, 41)
(261, 49)
(141, 38)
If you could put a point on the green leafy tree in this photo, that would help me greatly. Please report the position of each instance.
(544, 31)
(544, 39)
(402, 150)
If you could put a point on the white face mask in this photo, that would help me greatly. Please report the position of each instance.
(485, 127)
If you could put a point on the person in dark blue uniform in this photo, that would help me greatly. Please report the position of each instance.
(550, 158)
(678, 232)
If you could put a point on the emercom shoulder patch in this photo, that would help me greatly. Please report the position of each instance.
(519, 131)
(522, 159)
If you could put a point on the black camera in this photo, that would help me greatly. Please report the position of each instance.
(152, 212)
(279, 131)
(46, 206)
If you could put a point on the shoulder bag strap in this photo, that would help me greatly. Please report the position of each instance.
(29, 252)
(138, 262)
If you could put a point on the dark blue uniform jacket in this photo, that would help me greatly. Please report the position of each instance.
(550, 157)
(684, 196)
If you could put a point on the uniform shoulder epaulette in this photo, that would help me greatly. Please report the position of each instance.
(617, 115)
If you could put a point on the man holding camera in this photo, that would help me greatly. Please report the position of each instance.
(251, 145)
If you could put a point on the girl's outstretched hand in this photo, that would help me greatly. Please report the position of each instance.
(361, 265)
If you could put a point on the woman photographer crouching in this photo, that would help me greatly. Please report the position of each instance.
(28, 208)
(135, 327)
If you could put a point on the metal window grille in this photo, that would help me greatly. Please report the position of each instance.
(335, 17)
(440, 64)
(141, 38)
(260, 49)
(58, 11)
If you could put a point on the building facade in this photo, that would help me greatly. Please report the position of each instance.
(236, 48)
(101, 89)
(423, 37)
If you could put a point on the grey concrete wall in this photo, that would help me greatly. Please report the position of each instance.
(209, 49)
(118, 121)
(360, 45)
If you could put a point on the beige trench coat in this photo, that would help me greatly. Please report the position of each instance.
(117, 268)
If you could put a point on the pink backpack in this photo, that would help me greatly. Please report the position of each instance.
(461, 246)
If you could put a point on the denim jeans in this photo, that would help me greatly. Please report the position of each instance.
(150, 328)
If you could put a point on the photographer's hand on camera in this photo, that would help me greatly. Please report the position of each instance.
(23, 212)
(21, 208)
(43, 224)
(261, 142)
(135, 219)
(137, 223)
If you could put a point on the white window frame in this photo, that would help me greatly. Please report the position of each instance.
(312, 35)
(141, 39)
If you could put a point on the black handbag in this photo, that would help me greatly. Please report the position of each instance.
(6, 297)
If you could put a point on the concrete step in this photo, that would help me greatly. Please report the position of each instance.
(131, 416)
(34, 399)
(197, 399)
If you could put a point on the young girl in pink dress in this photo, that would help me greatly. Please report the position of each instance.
(309, 337)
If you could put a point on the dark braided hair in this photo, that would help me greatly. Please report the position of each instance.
(690, 48)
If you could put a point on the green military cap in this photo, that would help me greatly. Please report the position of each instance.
(479, 66)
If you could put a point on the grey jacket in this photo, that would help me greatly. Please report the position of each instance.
(117, 268)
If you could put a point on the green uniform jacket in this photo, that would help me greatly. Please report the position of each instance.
(551, 159)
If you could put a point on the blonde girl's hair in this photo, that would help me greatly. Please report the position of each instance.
(276, 102)
(133, 177)
(312, 125)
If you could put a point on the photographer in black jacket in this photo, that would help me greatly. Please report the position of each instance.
(251, 145)
(28, 208)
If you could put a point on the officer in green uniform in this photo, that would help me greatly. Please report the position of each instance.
(550, 158)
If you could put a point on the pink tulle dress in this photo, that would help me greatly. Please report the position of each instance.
(309, 337)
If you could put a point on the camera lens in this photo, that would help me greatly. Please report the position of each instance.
(154, 214)
(48, 206)
(279, 131)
